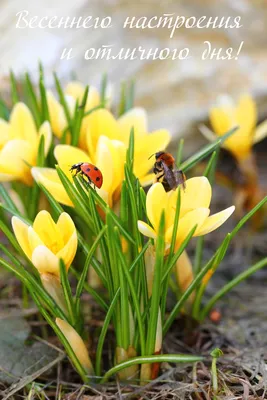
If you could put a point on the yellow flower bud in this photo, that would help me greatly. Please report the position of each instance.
(77, 345)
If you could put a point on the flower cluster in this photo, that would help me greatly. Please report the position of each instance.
(133, 241)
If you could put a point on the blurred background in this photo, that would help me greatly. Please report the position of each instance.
(176, 93)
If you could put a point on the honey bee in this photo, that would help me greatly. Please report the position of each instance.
(166, 173)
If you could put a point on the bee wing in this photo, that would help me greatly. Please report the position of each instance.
(180, 178)
(169, 176)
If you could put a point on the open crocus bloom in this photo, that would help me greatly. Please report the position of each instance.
(46, 242)
(194, 210)
(73, 92)
(226, 115)
(19, 141)
(108, 153)
(110, 157)
(102, 122)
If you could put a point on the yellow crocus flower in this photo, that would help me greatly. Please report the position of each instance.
(108, 153)
(74, 91)
(19, 141)
(77, 344)
(194, 210)
(110, 158)
(226, 115)
(46, 242)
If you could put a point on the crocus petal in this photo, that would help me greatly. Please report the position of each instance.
(146, 230)
(156, 201)
(45, 261)
(69, 155)
(260, 132)
(21, 232)
(187, 223)
(65, 226)
(197, 194)
(110, 159)
(214, 221)
(135, 118)
(34, 239)
(246, 112)
(48, 231)
(45, 130)
(146, 147)
(49, 178)
(56, 114)
(100, 122)
(147, 179)
(22, 124)
(67, 253)
(16, 157)
(105, 163)
(76, 90)
(76, 343)
(221, 121)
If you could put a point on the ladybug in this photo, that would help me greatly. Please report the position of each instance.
(166, 172)
(89, 171)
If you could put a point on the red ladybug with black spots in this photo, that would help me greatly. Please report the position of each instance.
(89, 171)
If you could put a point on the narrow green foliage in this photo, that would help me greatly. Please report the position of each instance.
(67, 292)
(156, 292)
(216, 353)
(76, 363)
(33, 102)
(4, 111)
(7, 199)
(76, 197)
(103, 89)
(230, 285)
(169, 358)
(122, 103)
(130, 152)
(103, 333)
(14, 88)
(35, 191)
(205, 151)
(44, 104)
(63, 101)
(180, 153)
(78, 118)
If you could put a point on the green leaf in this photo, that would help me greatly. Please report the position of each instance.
(63, 101)
(78, 118)
(230, 285)
(136, 304)
(76, 197)
(33, 100)
(194, 284)
(103, 88)
(67, 292)
(156, 288)
(106, 208)
(84, 274)
(4, 111)
(7, 199)
(14, 89)
(169, 358)
(75, 361)
(44, 104)
(180, 153)
(206, 150)
(101, 340)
